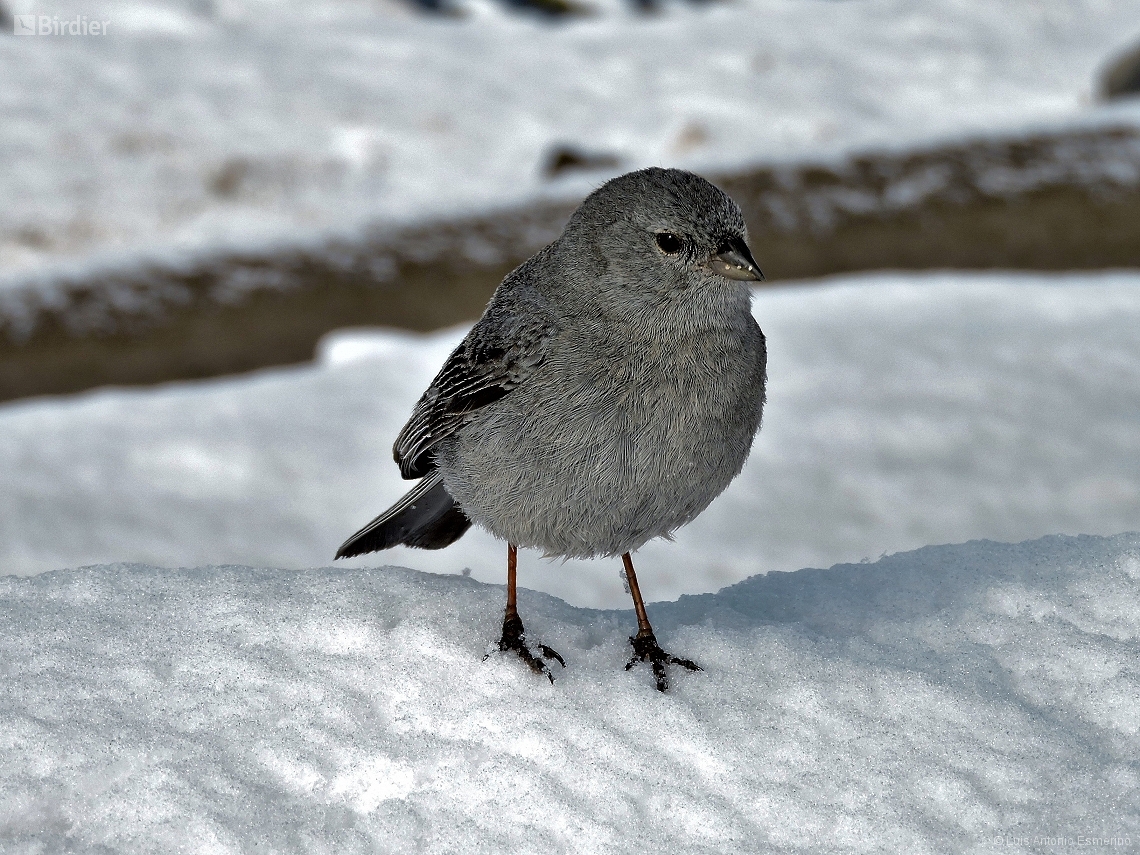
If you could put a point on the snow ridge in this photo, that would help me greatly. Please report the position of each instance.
(966, 698)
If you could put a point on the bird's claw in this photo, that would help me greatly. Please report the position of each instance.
(646, 649)
(514, 638)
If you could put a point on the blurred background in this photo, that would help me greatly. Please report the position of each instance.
(323, 193)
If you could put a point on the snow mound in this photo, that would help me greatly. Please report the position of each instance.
(958, 698)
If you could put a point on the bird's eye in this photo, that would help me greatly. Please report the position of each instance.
(669, 243)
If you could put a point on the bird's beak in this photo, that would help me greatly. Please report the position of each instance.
(733, 261)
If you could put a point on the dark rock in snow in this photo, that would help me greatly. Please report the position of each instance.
(1121, 77)
(563, 158)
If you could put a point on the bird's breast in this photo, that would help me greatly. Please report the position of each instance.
(615, 440)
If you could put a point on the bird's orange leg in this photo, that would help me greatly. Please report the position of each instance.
(514, 635)
(512, 574)
(645, 647)
(643, 627)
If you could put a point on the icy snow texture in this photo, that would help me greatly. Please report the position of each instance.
(952, 699)
(202, 125)
(904, 410)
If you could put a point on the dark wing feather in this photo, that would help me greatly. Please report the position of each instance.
(427, 518)
(499, 353)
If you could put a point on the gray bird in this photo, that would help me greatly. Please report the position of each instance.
(609, 393)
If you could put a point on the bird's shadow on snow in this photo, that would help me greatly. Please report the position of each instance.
(847, 599)
(878, 610)
(840, 603)
(944, 611)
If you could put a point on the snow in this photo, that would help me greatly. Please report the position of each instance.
(904, 410)
(199, 126)
(980, 697)
(973, 698)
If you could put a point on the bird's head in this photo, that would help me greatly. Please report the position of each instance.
(660, 231)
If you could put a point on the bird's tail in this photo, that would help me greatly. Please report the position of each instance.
(427, 518)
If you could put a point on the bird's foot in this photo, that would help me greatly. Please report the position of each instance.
(514, 638)
(646, 649)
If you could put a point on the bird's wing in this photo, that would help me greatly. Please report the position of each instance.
(498, 355)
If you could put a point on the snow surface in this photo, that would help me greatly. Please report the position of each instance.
(974, 698)
(197, 125)
(904, 410)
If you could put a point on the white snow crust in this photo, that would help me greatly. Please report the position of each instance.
(979, 698)
(197, 126)
(904, 410)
